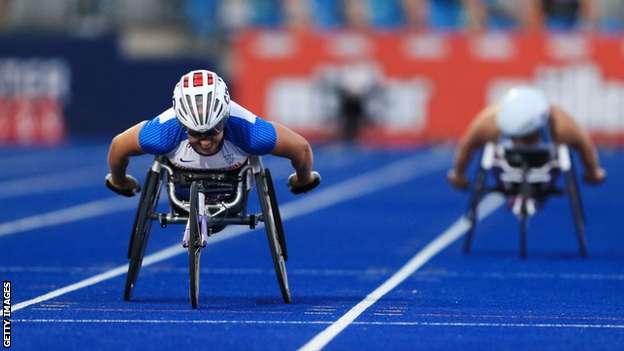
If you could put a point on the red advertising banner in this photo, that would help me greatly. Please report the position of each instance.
(415, 87)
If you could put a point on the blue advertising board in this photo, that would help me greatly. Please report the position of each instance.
(99, 91)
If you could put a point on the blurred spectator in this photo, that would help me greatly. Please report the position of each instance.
(386, 14)
(5, 13)
(446, 15)
(358, 86)
(326, 14)
(611, 15)
(415, 14)
(434, 14)
(216, 19)
(297, 13)
(267, 13)
(502, 14)
(234, 15)
(203, 17)
(561, 14)
(356, 14)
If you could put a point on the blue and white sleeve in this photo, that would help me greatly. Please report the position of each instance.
(254, 135)
(162, 134)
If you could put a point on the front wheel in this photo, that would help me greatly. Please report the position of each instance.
(194, 247)
(270, 213)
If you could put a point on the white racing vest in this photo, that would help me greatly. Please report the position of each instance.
(229, 157)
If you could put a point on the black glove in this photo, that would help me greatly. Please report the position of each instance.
(124, 192)
(306, 188)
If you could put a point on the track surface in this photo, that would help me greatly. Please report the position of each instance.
(375, 263)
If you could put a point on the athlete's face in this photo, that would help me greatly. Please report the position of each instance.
(206, 146)
(527, 140)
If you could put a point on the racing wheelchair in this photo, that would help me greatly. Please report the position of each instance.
(526, 176)
(216, 199)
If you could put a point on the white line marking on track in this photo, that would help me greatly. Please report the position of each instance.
(391, 175)
(324, 272)
(67, 215)
(427, 324)
(74, 179)
(486, 207)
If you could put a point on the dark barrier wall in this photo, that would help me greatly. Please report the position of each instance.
(100, 93)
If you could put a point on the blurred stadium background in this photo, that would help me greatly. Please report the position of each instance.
(392, 72)
(382, 73)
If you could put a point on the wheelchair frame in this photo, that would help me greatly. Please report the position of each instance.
(524, 206)
(202, 215)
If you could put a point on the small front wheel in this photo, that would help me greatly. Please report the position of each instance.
(194, 247)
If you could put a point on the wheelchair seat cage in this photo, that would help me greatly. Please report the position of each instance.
(526, 176)
(215, 200)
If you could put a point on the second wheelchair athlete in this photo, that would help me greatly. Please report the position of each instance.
(524, 117)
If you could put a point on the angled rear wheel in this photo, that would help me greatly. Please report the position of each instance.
(276, 214)
(472, 215)
(578, 214)
(141, 229)
(273, 226)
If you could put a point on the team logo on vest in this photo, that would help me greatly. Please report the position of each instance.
(229, 158)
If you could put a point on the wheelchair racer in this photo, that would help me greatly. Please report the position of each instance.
(524, 117)
(206, 130)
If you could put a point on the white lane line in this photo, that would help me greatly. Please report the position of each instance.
(486, 207)
(398, 172)
(94, 175)
(324, 272)
(375, 180)
(49, 156)
(161, 255)
(70, 214)
(74, 179)
(385, 177)
(426, 324)
(215, 271)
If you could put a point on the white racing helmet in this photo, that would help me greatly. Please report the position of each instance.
(523, 111)
(201, 101)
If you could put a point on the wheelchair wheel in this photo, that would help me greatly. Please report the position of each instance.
(472, 215)
(141, 229)
(526, 191)
(524, 223)
(270, 214)
(194, 247)
(276, 213)
(578, 214)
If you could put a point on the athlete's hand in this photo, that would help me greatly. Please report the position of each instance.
(457, 181)
(129, 188)
(595, 177)
(296, 186)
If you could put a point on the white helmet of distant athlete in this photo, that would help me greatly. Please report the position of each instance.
(201, 101)
(523, 111)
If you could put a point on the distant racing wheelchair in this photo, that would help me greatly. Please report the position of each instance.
(215, 199)
(526, 141)
(526, 176)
